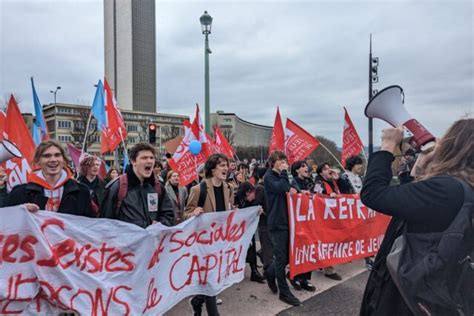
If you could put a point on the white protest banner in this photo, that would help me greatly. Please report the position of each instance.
(51, 261)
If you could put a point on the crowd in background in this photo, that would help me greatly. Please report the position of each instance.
(223, 184)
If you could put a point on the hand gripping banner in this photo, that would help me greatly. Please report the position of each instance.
(328, 231)
(53, 262)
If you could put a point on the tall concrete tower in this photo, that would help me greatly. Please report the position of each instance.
(130, 53)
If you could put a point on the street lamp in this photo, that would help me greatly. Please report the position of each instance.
(206, 24)
(54, 92)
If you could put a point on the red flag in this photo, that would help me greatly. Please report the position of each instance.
(114, 132)
(183, 161)
(221, 144)
(351, 142)
(102, 169)
(2, 123)
(17, 132)
(298, 142)
(277, 142)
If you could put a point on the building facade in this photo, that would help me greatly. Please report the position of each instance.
(67, 124)
(241, 133)
(130, 53)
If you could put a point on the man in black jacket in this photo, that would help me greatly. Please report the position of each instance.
(141, 204)
(276, 186)
(51, 187)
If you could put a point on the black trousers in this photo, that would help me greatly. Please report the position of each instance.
(252, 254)
(280, 259)
(266, 246)
(211, 305)
(303, 276)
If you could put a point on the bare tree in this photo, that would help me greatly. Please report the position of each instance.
(80, 126)
(6, 99)
(321, 155)
(143, 133)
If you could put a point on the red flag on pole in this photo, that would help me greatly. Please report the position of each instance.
(16, 131)
(277, 142)
(351, 142)
(298, 142)
(221, 144)
(2, 123)
(183, 161)
(114, 132)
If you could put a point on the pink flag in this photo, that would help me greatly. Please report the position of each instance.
(351, 142)
(221, 144)
(277, 142)
(298, 142)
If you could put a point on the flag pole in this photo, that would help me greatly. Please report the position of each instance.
(123, 143)
(339, 162)
(87, 131)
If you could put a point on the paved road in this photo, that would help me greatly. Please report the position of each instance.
(254, 299)
(342, 299)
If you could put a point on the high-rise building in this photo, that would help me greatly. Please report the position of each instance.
(130, 53)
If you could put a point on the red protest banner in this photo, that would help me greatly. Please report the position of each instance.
(298, 142)
(351, 142)
(330, 231)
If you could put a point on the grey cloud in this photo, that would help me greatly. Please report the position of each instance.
(308, 57)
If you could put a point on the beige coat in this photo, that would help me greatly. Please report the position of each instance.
(210, 202)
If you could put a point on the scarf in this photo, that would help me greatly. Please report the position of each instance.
(53, 193)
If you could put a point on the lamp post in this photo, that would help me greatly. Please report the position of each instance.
(206, 24)
(54, 92)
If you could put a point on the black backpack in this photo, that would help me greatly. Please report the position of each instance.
(434, 272)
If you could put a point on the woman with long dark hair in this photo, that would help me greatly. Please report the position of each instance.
(424, 208)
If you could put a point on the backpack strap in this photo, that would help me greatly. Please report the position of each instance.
(122, 192)
(202, 193)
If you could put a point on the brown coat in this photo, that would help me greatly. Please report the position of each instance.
(210, 202)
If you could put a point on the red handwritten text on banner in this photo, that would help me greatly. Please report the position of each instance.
(51, 262)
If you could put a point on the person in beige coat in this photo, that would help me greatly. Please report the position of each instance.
(220, 194)
(219, 197)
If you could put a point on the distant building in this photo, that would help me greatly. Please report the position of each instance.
(67, 124)
(130, 53)
(241, 133)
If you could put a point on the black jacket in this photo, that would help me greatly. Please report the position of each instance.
(75, 199)
(96, 189)
(301, 184)
(261, 199)
(276, 187)
(3, 196)
(134, 208)
(426, 206)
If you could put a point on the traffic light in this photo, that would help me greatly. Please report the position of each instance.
(152, 133)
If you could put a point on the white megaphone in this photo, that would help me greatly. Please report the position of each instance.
(8, 151)
(387, 105)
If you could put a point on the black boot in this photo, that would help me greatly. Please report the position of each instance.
(255, 276)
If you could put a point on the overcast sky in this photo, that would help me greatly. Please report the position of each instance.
(308, 57)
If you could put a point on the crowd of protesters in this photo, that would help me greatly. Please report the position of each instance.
(224, 184)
